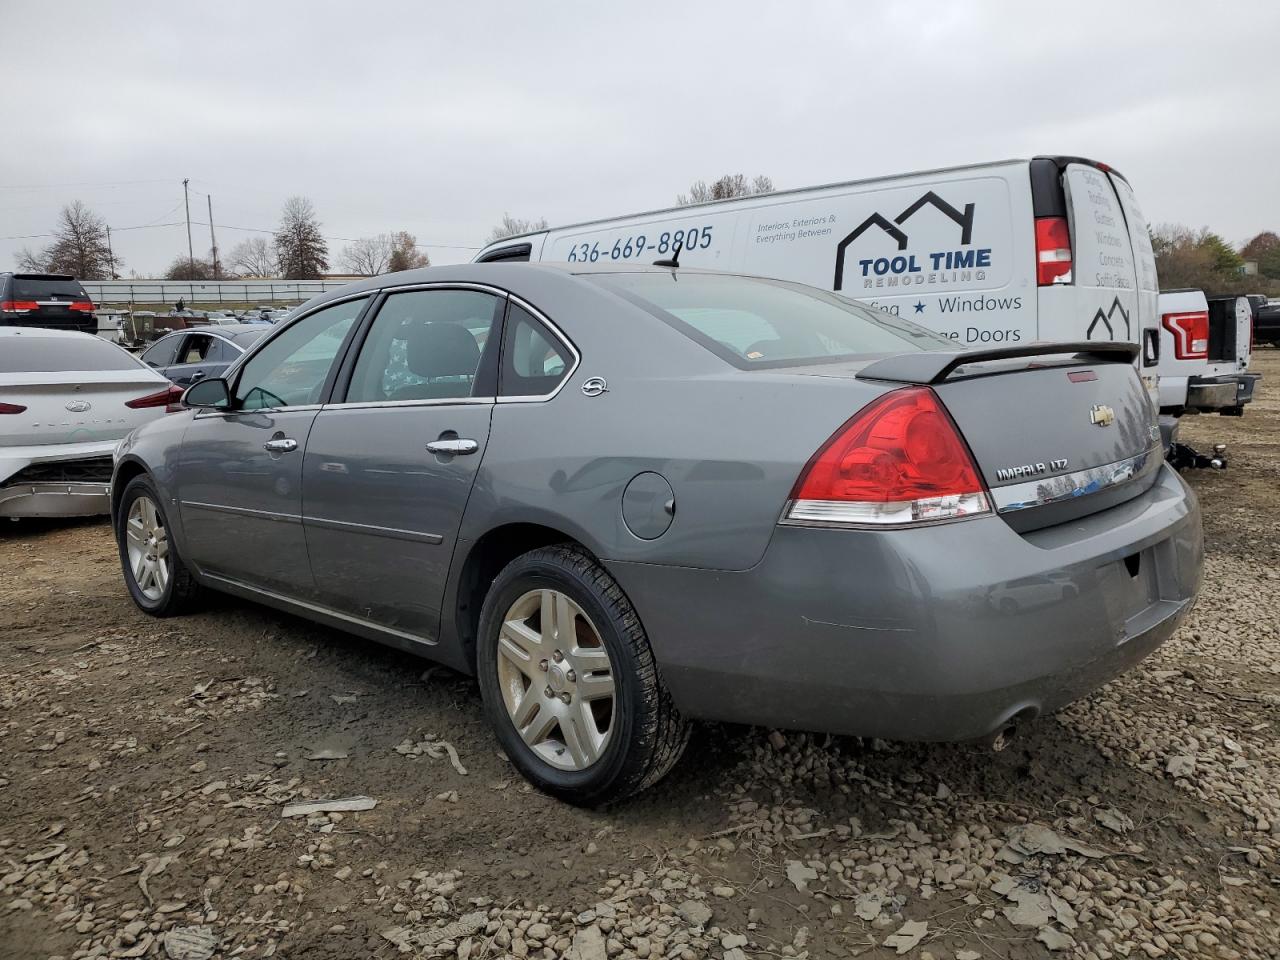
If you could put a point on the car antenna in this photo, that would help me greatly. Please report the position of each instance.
(675, 257)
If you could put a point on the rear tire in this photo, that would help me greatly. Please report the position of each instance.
(158, 581)
(569, 682)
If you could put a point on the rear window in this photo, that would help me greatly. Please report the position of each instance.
(752, 322)
(24, 354)
(33, 288)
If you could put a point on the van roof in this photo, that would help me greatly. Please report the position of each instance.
(1060, 161)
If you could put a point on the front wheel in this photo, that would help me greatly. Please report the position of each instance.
(569, 680)
(158, 580)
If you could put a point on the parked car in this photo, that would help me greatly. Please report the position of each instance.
(66, 399)
(52, 300)
(186, 356)
(1051, 248)
(1266, 323)
(631, 497)
(1205, 348)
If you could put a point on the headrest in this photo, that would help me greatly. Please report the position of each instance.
(436, 350)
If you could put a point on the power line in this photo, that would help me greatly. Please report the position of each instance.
(83, 183)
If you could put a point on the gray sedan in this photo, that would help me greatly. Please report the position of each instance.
(185, 356)
(628, 498)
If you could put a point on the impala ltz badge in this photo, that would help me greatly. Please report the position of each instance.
(1102, 415)
(79, 406)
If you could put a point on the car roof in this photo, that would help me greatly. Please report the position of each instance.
(225, 330)
(45, 333)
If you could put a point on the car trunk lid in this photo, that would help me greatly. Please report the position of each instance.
(75, 407)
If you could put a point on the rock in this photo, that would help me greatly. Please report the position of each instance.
(800, 874)
(968, 955)
(1036, 838)
(588, 944)
(867, 906)
(190, 943)
(908, 936)
(777, 740)
(1054, 940)
(731, 940)
(1113, 819)
(695, 913)
(723, 891)
(1181, 765)
(308, 807)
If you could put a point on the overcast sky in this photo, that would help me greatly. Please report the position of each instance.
(438, 117)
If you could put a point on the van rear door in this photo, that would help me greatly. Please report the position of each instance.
(1104, 273)
(1148, 320)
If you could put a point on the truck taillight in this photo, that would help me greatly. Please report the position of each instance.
(1190, 334)
(11, 408)
(1053, 251)
(900, 460)
(170, 398)
(18, 306)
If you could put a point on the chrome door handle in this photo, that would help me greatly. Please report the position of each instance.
(199, 374)
(280, 446)
(453, 447)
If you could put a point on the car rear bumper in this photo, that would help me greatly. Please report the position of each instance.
(934, 633)
(56, 479)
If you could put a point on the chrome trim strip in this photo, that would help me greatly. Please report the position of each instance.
(320, 609)
(394, 533)
(1080, 483)
(202, 412)
(372, 404)
(243, 511)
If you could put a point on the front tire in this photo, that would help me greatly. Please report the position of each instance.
(569, 682)
(158, 581)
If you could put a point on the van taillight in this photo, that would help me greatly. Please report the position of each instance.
(18, 306)
(1190, 334)
(900, 460)
(83, 305)
(1053, 251)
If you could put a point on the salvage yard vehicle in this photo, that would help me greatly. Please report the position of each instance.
(630, 497)
(186, 356)
(66, 399)
(1051, 248)
(52, 300)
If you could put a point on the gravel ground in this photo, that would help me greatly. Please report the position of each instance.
(144, 766)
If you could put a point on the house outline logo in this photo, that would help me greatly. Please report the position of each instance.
(964, 220)
(1105, 318)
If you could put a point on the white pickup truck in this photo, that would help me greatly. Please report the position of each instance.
(1205, 345)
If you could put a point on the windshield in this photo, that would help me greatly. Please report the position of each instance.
(752, 322)
(25, 354)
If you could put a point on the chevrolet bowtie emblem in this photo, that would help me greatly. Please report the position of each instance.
(1102, 415)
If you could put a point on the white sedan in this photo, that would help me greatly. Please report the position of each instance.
(66, 399)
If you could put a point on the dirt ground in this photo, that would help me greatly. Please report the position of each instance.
(144, 764)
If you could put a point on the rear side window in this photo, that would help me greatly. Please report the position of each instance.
(751, 322)
(24, 354)
(534, 361)
(163, 351)
(32, 288)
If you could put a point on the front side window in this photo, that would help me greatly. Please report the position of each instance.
(426, 345)
(752, 322)
(291, 370)
(533, 360)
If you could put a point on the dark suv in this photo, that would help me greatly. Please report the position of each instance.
(51, 300)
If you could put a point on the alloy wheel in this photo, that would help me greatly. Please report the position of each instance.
(148, 548)
(556, 678)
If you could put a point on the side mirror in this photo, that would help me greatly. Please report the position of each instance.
(208, 394)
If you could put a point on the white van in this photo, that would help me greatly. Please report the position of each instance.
(1052, 248)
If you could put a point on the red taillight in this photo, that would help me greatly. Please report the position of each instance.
(1190, 334)
(83, 305)
(1053, 251)
(170, 397)
(11, 408)
(898, 460)
(18, 306)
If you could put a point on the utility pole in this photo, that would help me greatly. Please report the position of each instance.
(186, 202)
(213, 241)
(111, 255)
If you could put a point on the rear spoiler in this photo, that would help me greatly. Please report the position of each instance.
(934, 366)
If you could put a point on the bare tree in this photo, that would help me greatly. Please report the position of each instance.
(368, 256)
(255, 257)
(302, 250)
(405, 254)
(511, 226)
(79, 247)
(727, 187)
(184, 268)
